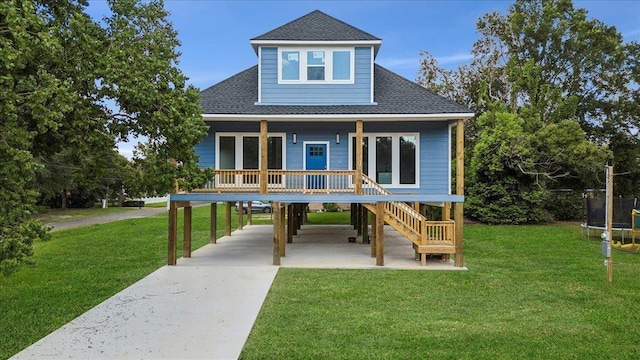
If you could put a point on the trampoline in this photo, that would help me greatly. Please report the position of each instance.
(595, 210)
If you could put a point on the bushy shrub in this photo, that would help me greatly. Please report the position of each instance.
(330, 207)
(565, 206)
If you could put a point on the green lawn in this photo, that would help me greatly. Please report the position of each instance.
(530, 292)
(59, 215)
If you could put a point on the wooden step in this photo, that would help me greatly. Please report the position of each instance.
(435, 248)
(423, 250)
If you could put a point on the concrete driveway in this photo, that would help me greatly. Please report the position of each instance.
(205, 307)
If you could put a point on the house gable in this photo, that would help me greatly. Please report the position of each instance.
(315, 27)
(315, 60)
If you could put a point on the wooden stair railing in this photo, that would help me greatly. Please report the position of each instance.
(428, 237)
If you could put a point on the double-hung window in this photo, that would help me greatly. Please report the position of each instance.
(316, 65)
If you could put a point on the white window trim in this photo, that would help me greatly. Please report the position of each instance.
(395, 156)
(239, 149)
(328, 66)
(372, 84)
(260, 75)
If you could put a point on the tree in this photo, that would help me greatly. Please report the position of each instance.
(546, 62)
(58, 70)
(511, 166)
(152, 95)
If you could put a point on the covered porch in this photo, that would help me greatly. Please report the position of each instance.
(287, 189)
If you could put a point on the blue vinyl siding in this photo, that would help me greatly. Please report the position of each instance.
(206, 150)
(434, 146)
(434, 153)
(273, 93)
(338, 153)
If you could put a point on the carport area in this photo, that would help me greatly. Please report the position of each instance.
(314, 246)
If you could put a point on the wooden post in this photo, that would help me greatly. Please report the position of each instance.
(290, 223)
(214, 223)
(249, 212)
(365, 225)
(240, 214)
(358, 150)
(354, 214)
(173, 234)
(459, 207)
(186, 243)
(609, 190)
(300, 216)
(282, 214)
(359, 220)
(446, 211)
(294, 219)
(264, 181)
(380, 233)
(227, 223)
(374, 232)
(276, 240)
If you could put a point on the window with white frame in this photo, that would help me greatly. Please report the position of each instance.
(389, 159)
(242, 151)
(316, 65)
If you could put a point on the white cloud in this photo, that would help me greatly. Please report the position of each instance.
(414, 62)
(400, 63)
(204, 79)
(125, 148)
(455, 58)
(631, 33)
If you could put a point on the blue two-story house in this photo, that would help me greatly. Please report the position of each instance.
(317, 120)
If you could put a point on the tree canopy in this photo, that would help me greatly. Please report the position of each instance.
(70, 88)
(572, 85)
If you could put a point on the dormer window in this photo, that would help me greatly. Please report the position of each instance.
(290, 65)
(316, 66)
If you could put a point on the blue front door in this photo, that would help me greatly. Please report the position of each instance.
(316, 159)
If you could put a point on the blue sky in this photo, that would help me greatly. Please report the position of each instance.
(215, 34)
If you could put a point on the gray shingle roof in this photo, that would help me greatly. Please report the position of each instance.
(393, 94)
(316, 26)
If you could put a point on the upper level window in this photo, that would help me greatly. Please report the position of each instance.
(316, 65)
(342, 65)
(290, 65)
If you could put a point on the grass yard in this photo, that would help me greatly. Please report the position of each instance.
(59, 215)
(530, 292)
(335, 218)
(79, 268)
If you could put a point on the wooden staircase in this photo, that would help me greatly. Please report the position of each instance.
(428, 237)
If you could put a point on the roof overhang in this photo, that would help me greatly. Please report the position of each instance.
(356, 43)
(338, 117)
